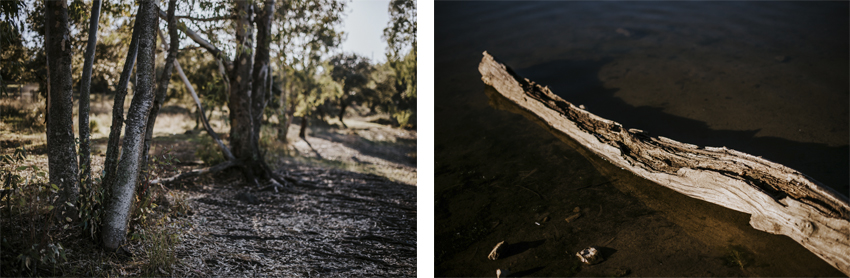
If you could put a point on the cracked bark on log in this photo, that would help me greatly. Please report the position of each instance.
(780, 200)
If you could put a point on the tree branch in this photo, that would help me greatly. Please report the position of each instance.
(217, 18)
(217, 53)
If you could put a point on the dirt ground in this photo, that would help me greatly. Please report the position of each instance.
(352, 213)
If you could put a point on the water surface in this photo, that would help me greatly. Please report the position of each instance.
(766, 78)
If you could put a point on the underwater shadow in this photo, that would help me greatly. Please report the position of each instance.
(577, 81)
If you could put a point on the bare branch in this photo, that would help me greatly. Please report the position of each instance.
(217, 18)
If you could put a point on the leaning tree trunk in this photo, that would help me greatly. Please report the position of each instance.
(85, 88)
(780, 200)
(162, 86)
(127, 173)
(111, 160)
(61, 155)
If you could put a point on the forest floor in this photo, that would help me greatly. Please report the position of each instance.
(353, 211)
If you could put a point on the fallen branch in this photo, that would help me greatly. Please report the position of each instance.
(198, 172)
(779, 199)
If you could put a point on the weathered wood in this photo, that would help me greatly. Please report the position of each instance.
(779, 199)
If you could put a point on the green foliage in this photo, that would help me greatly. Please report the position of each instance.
(208, 151)
(26, 193)
(401, 39)
(159, 248)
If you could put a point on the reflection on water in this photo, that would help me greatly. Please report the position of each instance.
(768, 79)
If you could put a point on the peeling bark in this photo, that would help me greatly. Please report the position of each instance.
(61, 153)
(780, 200)
(127, 173)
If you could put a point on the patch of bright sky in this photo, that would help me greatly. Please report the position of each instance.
(364, 25)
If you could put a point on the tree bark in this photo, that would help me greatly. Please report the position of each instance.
(242, 138)
(127, 173)
(112, 150)
(162, 86)
(61, 154)
(262, 66)
(85, 88)
(303, 132)
(779, 199)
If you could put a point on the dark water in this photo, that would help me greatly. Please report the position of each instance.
(765, 78)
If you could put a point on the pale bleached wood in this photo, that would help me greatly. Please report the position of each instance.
(779, 199)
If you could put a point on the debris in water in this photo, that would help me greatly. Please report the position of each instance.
(589, 255)
(494, 255)
(573, 217)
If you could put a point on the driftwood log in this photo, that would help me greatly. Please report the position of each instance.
(779, 199)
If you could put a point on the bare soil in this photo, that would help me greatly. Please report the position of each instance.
(353, 213)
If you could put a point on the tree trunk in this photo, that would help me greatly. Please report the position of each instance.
(342, 105)
(61, 155)
(240, 85)
(303, 133)
(111, 160)
(261, 67)
(162, 86)
(127, 173)
(210, 131)
(780, 200)
(85, 89)
(243, 141)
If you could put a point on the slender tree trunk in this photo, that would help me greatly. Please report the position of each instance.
(162, 86)
(303, 133)
(112, 151)
(342, 105)
(261, 67)
(61, 154)
(85, 89)
(127, 173)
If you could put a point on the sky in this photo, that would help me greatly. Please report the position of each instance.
(364, 24)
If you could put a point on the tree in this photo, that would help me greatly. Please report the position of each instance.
(400, 35)
(127, 172)
(165, 77)
(61, 155)
(353, 72)
(85, 88)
